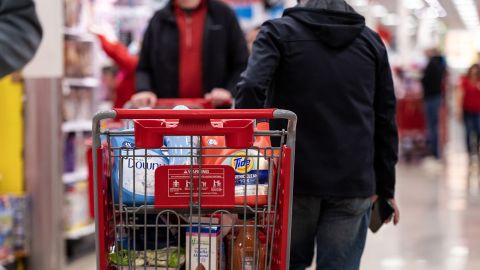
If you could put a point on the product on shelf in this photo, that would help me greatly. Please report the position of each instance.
(250, 166)
(21, 209)
(85, 105)
(73, 13)
(78, 58)
(80, 148)
(76, 211)
(69, 153)
(74, 152)
(6, 228)
(136, 169)
(204, 248)
(70, 105)
(78, 104)
(13, 225)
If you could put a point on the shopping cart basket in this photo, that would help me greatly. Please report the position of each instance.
(203, 215)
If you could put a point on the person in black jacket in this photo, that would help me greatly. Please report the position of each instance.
(433, 83)
(191, 49)
(20, 34)
(320, 61)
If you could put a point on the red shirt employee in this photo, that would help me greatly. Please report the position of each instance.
(469, 108)
(191, 49)
(470, 93)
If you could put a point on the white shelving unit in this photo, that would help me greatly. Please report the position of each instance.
(76, 176)
(81, 83)
(77, 126)
(87, 82)
(80, 233)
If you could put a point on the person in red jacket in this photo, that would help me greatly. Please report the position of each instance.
(469, 109)
(126, 63)
(191, 49)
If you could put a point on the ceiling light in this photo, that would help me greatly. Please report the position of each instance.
(439, 9)
(467, 10)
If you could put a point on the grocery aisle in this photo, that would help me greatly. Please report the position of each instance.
(439, 227)
(440, 217)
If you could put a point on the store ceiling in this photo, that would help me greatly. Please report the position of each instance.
(452, 19)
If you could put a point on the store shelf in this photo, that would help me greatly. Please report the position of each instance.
(88, 82)
(73, 177)
(78, 34)
(121, 11)
(81, 232)
(77, 126)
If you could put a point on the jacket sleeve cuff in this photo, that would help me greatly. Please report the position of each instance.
(386, 193)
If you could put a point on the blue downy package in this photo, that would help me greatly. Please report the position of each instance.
(135, 171)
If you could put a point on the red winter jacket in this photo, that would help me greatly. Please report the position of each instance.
(127, 64)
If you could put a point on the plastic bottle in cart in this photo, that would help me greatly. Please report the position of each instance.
(263, 251)
(244, 257)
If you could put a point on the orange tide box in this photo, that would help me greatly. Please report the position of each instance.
(250, 165)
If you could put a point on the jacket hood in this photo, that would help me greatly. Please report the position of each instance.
(335, 28)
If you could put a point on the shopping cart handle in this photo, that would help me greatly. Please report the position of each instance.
(195, 114)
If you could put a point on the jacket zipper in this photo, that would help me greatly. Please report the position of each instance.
(189, 31)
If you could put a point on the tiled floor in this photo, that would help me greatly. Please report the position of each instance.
(440, 220)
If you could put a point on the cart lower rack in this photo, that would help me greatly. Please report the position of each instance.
(193, 189)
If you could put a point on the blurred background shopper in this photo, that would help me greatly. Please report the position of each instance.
(20, 34)
(124, 84)
(433, 83)
(191, 49)
(323, 63)
(469, 106)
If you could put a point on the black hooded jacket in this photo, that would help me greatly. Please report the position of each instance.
(333, 72)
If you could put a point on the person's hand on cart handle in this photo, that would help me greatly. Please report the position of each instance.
(396, 213)
(219, 97)
(144, 99)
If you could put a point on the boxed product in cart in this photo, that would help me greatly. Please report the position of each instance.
(204, 248)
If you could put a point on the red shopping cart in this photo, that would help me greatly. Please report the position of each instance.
(412, 129)
(192, 189)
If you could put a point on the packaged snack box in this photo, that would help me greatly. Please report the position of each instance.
(204, 248)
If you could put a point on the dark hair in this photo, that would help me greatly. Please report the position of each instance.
(472, 69)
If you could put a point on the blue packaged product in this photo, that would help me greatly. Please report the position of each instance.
(135, 168)
(180, 150)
